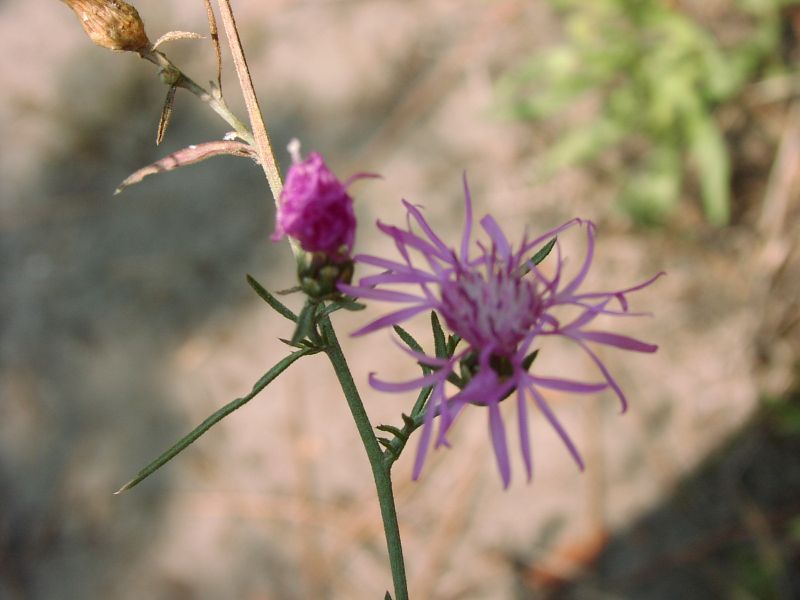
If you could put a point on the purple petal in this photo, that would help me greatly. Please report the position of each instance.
(528, 247)
(406, 238)
(415, 212)
(614, 339)
(498, 432)
(427, 431)
(405, 386)
(524, 436)
(392, 278)
(390, 319)
(497, 236)
(548, 413)
(611, 381)
(431, 361)
(465, 237)
(377, 294)
(568, 385)
(377, 261)
(587, 261)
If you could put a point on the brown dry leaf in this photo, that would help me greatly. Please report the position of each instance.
(171, 36)
(188, 156)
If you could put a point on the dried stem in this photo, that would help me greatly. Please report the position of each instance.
(262, 144)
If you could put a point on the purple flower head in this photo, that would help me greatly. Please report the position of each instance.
(500, 305)
(315, 208)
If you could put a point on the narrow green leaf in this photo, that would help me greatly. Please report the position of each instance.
(345, 303)
(710, 155)
(392, 429)
(408, 339)
(452, 342)
(438, 336)
(388, 596)
(212, 420)
(538, 257)
(305, 322)
(456, 381)
(270, 299)
(352, 305)
(419, 405)
(526, 364)
(544, 252)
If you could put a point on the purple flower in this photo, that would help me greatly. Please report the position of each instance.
(500, 305)
(315, 208)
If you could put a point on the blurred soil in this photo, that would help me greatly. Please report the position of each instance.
(126, 320)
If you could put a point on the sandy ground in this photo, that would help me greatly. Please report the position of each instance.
(126, 320)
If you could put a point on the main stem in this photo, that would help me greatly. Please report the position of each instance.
(380, 472)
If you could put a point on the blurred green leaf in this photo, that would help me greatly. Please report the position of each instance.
(710, 156)
(656, 76)
(652, 191)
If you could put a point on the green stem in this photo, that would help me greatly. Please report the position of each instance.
(380, 472)
(215, 101)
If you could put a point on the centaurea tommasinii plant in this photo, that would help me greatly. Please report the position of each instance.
(490, 304)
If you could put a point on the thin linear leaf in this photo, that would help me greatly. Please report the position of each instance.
(438, 336)
(396, 432)
(452, 342)
(213, 419)
(538, 257)
(276, 304)
(528, 361)
(408, 339)
(166, 114)
(188, 156)
(542, 254)
(305, 322)
(422, 398)
(345, 303)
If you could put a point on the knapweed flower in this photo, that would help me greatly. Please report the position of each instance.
(501, 306)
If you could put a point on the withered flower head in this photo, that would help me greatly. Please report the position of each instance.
(112, 24)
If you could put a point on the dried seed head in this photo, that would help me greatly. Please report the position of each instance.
(112, 24)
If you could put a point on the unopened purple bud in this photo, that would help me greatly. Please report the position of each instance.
(315, 208)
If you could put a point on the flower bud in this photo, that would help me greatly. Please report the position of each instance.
(315, 208)
(112, 24)
(319, 274)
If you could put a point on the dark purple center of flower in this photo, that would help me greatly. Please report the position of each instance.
(497, 311)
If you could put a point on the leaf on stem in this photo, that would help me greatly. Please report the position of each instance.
(276, 304)
(345, 303)
(188, 156)
(408, 339)
(213, 419)
(438, 336)
(166, 114)
(305, 323)
(539, 256)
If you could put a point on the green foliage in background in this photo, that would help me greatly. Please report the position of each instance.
(658, 75)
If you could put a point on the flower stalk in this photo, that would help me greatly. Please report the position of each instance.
(380, 472)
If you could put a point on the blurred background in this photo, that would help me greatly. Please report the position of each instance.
(126, 320)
